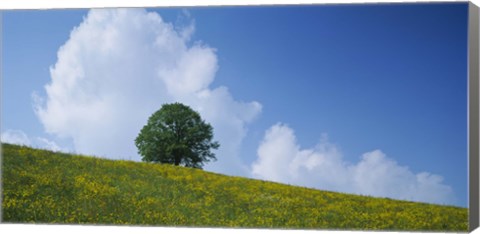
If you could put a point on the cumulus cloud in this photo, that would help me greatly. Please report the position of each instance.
(19, 137)
(118, 67)
(281, 159)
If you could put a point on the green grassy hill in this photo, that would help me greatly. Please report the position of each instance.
(45, 187)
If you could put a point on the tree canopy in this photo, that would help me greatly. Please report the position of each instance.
(176, 134)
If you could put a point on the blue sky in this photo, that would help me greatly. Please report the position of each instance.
(368, 99)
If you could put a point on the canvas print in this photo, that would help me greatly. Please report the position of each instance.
(325, 117)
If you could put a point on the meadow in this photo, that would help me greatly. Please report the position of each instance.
(40, 186)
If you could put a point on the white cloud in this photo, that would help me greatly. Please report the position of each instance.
(19, 137)
(15, 137)
(118, 67)
(49, 145)
(281, 159)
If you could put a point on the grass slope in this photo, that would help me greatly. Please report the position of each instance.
(40, 186)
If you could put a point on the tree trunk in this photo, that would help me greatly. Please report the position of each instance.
(178, 159)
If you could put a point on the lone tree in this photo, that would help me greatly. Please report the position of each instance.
(176, 134)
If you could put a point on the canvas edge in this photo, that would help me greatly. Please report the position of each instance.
(473, 115)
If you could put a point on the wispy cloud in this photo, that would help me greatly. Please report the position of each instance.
(15, 137)
(118, 67)
(48, 144)
(21, 138)
(281, 159)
